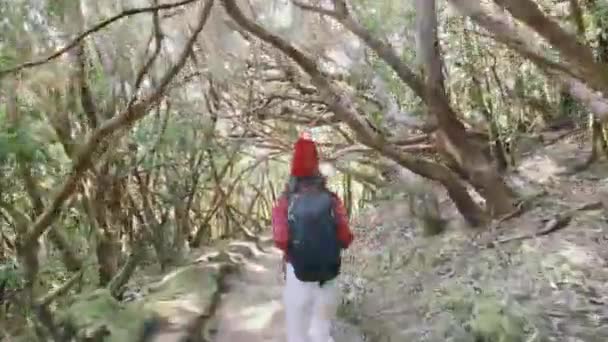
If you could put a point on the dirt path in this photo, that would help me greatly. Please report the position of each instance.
(251, 309)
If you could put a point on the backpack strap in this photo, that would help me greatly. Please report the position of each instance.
(296, 184)
(290, 196)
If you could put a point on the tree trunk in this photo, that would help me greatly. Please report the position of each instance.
(182, 229)
(599, 144)
(451, 140)
(479, 102)
(56, 236)
(116, 285)
(348, 193)
(108, 244)
(108, 254)
(154, 227)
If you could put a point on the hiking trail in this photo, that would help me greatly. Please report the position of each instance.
(251, 307)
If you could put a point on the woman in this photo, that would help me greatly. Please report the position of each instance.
(310, 306)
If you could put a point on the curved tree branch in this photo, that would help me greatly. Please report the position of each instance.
(97, 27)
(576, 52)
(515, 38)
(380, 47)
(158, 39)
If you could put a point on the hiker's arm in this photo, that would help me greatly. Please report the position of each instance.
(344, 233)
(280, 231)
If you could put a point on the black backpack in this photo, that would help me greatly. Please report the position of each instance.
(314, 249)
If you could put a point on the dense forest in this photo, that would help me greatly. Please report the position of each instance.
(137, 133)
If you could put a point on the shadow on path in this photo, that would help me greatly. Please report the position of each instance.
(251, 310)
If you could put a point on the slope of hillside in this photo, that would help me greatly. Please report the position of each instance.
(538, 276)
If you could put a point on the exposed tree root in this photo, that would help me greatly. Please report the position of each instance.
(521, 207)
(599, 147)
(553, 224)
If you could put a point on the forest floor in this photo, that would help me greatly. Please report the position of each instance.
(252, 310)
(538, 276)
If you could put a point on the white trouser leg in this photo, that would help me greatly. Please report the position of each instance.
(325, 307)
(298, 300)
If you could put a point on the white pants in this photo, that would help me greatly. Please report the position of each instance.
(309, 308)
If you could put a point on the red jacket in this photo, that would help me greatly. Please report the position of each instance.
(280, 228)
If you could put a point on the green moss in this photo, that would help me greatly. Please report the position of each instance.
(491, 322)
(180, 295)
(457, 302)
(97, 309)
(484, 316)
(197, 282)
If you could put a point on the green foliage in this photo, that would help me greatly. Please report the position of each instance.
(599, 18)
(485, 319)
(6, 59)
(491, 322)
(19, 142)
(11, 275)
(382, 17)
(395, 86)
(568, 106)
(99, 82)
(187, 288)
(61, 9)
(93, 310)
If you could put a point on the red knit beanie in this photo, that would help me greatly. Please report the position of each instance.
(305, 162)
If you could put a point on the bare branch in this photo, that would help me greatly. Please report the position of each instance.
(60, 291)
(158, 38)
(116, 285)
(380, 47)
(97, 27)
(514, 37)
(576, 52)
(315, 9)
